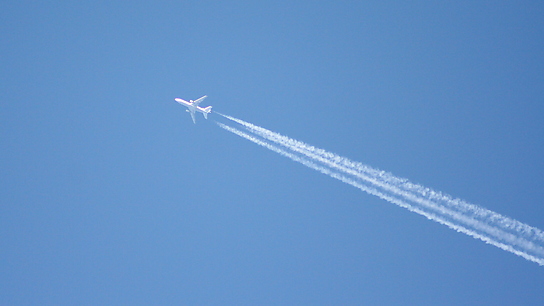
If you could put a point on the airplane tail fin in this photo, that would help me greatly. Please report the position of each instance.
(207, 110)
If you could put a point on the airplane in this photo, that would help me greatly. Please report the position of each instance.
(192, 107)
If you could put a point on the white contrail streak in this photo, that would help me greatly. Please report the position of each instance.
(488, 226)
(391, 183)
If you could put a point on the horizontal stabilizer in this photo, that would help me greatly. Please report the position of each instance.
(206, 111)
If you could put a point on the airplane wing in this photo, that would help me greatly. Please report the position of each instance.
(197, 101)
(193, 117)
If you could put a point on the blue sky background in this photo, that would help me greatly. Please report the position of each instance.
(110, 195)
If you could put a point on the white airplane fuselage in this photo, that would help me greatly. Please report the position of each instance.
(192, 107)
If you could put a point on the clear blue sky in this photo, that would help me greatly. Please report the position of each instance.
(110, 195)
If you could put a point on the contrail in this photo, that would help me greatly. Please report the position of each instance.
(393, 183)
(503, 232)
